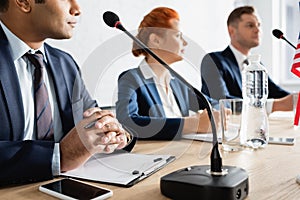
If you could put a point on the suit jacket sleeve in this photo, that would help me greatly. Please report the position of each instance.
(31, 160)
(213, 84)
(275, 91)
(137, 111)
(25, 161)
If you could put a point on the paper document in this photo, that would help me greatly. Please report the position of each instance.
(205, 137)
(281, 115)
(123, 169)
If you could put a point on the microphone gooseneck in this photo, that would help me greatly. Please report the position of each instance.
(279, 34)
(112, 20)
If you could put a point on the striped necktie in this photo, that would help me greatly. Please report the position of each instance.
(43, 114)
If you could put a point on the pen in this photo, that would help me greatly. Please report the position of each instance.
(171, 158)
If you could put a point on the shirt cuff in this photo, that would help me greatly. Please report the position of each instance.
(129, 138)
(56, 160)
(269, 105)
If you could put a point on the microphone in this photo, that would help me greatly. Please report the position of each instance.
(279, 34)
(112, 20)
(196, 181)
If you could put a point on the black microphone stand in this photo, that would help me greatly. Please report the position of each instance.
(205, 182)
(289, 42)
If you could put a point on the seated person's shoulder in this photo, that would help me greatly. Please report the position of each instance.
(57, 51)
(130, 73)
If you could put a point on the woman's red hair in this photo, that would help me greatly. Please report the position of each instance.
(153, 22)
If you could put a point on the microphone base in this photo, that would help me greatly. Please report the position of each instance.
(195, 183)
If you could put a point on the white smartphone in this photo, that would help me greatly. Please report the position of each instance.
(280, 140)
(73, 189)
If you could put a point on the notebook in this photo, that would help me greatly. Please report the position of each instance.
(122, 169)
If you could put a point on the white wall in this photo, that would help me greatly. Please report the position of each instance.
(103, 52)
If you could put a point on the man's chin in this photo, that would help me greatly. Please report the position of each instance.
(62, 36)
(255, 44)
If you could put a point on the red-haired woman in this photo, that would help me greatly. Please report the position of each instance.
(151, 101)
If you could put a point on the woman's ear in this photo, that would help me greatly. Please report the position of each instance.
(24, 5)
(154, 40)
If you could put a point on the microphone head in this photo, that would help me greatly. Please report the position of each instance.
(277, 33)
(110, 18)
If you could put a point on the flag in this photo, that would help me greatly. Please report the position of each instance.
(296, 64)
(296, 70)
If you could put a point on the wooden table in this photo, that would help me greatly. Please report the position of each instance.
(272, 171)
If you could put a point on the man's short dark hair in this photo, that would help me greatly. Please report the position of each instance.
(5, 3)
(236, 14)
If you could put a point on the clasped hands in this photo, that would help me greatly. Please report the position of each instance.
(102, 131)
(98, 132)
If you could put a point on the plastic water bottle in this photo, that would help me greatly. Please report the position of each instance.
(254, 125)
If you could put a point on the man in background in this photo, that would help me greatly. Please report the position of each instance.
(221, 71)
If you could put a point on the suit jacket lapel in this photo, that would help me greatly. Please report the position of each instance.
(153, 93)
(11, 88)
(60, 85)
(234, 65)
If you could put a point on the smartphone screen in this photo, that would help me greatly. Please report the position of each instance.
(278, 140)
(75, 190)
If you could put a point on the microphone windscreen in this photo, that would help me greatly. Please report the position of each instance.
(110, 18)
(277, 33)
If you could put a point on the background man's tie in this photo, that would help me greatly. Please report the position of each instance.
(43, 114)
(245, 64)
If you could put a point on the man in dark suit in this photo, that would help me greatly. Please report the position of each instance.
(221, 71)
(24, 26)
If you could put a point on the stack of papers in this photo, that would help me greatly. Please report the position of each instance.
(123, 169)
